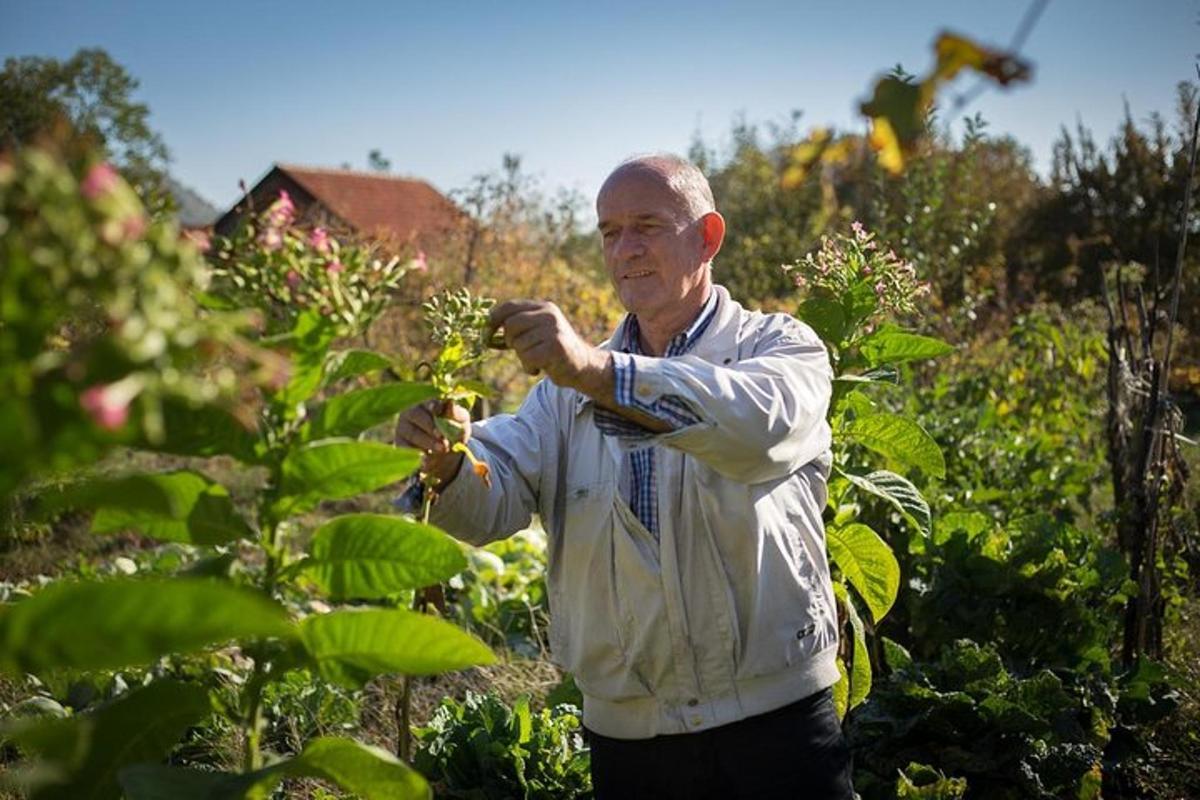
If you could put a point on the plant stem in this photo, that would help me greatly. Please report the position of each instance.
(253, 723)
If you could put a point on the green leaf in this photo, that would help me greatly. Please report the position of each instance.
(345, 364)
(368, 772)
(895, 655)
(860, 671)
(897, 490)
(115, 624)
(868, 564)
(331, 469)
(972, 523)
(826, 316)
(204, 431)
(78, 757)
(178, 506)
(351, 647)
(894, 346)
(898, 438)
(352, 413)
(162, 782)
(308, 341)
(369, 556)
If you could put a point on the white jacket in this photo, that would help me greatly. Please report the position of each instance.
(731, 613)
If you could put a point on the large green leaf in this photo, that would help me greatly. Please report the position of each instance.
(204, 431)
(897, 490)
(354, 412)
(893, 346)
(368, 556)
(77, 758)
(868, 564)
(345, 364)
(899, 439)
(308, 342)
(368, 772)
(351, 647)
(115, 624)
(335, 468)
(826, 316)
(853, 686)
(178, 506)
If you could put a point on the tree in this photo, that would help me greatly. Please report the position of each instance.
(377, 162)
(94, 94)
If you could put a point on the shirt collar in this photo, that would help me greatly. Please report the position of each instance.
(681, 342)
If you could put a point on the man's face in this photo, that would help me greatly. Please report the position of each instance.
(652, 247)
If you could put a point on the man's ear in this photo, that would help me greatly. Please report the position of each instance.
(712, 229)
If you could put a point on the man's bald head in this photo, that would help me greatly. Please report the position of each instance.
(683, 178)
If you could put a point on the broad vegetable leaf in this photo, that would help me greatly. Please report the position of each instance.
(368, 556)
(309, 340)
(117, 624)
(78, 757)
(859, 676)
(899, 439)
(351, 647)
(826, 316)
(354, 412)
(335, 468)
(897, 490)
(893, 346)
(868, 564)
(204, 431)
(351, 363)
(178, 506)
(367, 772)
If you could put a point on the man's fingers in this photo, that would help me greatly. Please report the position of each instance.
(499, 315)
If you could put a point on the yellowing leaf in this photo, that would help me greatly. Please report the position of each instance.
(955, 52)
(897, 108)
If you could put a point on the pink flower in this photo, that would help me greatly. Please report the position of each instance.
(101, 179)
(199, 239)
(293, 278)
(282, 211)
(319, 240)
(880, 288)
(859, 230)
(106, 404)
(866, 270)
(420, 264)
(270, 239)
(133, 226)
(334, 267)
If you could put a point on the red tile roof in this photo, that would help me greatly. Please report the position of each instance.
(375, 204)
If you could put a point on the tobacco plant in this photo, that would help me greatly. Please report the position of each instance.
(852, 287)
(305, 440)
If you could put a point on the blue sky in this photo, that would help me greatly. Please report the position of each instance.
(444, 89)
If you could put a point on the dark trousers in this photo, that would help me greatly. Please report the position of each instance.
(797, 751)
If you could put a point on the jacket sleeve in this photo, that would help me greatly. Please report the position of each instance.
(514, 447)
(760, 418)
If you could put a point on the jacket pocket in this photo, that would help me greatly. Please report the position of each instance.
(790, 618)
(585, 619)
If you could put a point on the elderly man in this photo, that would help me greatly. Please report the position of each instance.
(679, 470)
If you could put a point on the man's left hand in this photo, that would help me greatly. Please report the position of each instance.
(544, 340)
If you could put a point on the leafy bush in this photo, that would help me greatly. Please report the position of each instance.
(301, 434)
(502, 598)
(982, 581)
(484, 750)
(1041, 736)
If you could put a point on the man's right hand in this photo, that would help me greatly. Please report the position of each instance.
(416, 428)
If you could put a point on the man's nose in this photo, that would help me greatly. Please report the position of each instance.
(629, 245)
